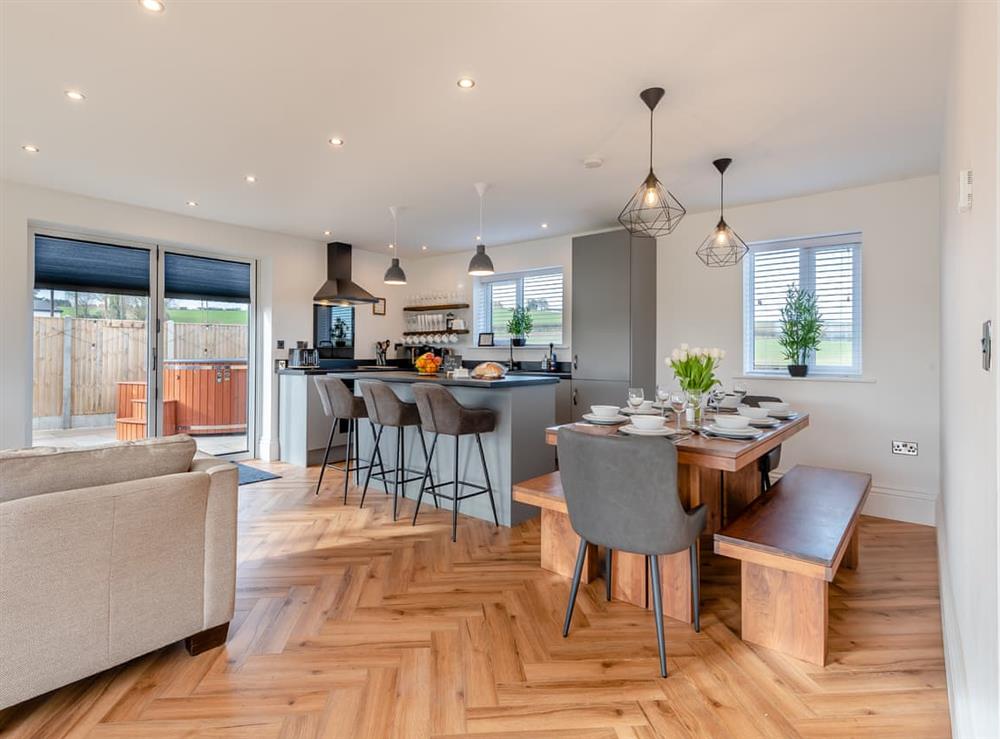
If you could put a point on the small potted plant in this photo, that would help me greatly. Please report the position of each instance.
(339, 332)
(801, 329)
(519, 326)
(694, 369)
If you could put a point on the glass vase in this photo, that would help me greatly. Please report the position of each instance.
(696, 407)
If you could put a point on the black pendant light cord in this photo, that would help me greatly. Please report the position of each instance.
(722, 196)
(650, 139)
(481, 239)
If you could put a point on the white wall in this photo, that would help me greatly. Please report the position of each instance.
(289, 272)
(449, 272)
(967, 521)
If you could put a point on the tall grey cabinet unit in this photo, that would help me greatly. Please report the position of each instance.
(614, 318)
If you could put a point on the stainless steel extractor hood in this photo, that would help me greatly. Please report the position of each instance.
(338, 288)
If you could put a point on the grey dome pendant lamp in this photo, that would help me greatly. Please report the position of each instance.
(652, 210)
(723, 247)
(395, 274)
(481, 265)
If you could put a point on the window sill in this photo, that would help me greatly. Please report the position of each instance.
(808, 378)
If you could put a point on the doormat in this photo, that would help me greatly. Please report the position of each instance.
(250, 475)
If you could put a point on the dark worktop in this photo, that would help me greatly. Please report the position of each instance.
(392, 374)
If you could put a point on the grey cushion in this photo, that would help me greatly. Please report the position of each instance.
(338, 401)
(622, 493)
(441, 413)
(385, 407)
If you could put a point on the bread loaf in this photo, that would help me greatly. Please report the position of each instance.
(489, 371)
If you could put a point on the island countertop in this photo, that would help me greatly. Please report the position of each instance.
(509, 382)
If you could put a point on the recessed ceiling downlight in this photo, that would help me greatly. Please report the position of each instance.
(250, 179)
(466, 83)
(31, 148)
(153, 6)
(76, 96)
(336, 141)
(191, 204)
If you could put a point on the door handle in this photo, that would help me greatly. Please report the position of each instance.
(574, 396)
(576, 362)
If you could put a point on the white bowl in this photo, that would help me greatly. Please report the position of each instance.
(648, 423)
(604, 411)
(646, 405)
(773, 406)
(732, 422)
(751, 412)
(729, 401)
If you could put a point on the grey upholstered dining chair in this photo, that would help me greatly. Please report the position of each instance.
(770, 461)
(622, 494)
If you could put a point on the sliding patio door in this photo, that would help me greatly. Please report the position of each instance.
(205, 344)
(92, 349)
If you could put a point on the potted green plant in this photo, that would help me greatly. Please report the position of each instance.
(519, 326)
(801, 329)
(338, 332)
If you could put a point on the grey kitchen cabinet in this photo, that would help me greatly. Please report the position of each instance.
(614, 317)
(597, 392)
(564, 402)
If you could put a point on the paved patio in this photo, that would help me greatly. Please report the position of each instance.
(216, 445)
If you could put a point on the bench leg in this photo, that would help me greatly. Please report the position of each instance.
(560, 545)
(785, 612)
(852, 555)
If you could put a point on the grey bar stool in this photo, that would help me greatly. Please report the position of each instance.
(340, 404)
(770, 461)
(386, 409)
(622, 494)
(440, 414)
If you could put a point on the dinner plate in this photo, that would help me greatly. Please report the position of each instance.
(732, 433)
(784, 415)
(764, 423)
(630, 429)
(604, 421)
(640, 411)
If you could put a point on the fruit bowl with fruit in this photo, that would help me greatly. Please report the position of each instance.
(427, 364)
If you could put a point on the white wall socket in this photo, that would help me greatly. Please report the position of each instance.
(906, 448)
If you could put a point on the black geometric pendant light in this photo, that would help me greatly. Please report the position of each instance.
(481, 265)
(652, 210)
(723, 247)
(395, 274)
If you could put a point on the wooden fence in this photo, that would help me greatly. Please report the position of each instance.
(102, 352)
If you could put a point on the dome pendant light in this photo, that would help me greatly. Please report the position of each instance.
(652, 210)
(723, 247)
(481, 265)
(395, 274)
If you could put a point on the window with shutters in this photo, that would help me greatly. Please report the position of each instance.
(540, 291)
(829, 266)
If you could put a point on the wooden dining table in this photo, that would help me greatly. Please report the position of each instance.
(721, 473)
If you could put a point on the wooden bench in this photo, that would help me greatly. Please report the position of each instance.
(791, 542)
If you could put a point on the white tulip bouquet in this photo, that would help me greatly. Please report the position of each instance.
(695, 367)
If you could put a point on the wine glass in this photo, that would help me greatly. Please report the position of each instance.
(635, 397)
(678, 402)
(663, 395)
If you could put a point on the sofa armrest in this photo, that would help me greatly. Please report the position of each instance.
(220, 538)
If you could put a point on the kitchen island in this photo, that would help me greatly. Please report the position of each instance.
(515, 450)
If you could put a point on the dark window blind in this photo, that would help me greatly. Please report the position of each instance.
(86, 266)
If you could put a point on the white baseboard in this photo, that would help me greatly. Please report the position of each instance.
(961, 723)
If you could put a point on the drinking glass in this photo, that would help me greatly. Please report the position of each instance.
(678, 402)
(663, 395)
(635, 397)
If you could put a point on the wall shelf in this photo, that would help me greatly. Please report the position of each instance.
(431, 333)
(446, 306)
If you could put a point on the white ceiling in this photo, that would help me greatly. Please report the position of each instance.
(804, 96)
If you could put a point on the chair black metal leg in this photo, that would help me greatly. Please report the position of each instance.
(428, 475)
(347, 458)
(695, 588)
(423, 483)
(326, 457)
(654, 563)
(368, 475)
(486, 474)
(357, 451)
(454, 504)
(395, 484)
(577, 572)
(377, 454)
(607, 573)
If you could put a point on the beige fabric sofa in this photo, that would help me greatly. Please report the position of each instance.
(108, 553)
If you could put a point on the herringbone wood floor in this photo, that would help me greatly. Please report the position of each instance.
(349, 625)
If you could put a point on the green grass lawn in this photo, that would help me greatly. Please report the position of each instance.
(831, 353)
(208, 315)
(547, 325)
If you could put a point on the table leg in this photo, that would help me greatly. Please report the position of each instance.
(675, 577)
(852, 556)
(629, 579)
(559, 547)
